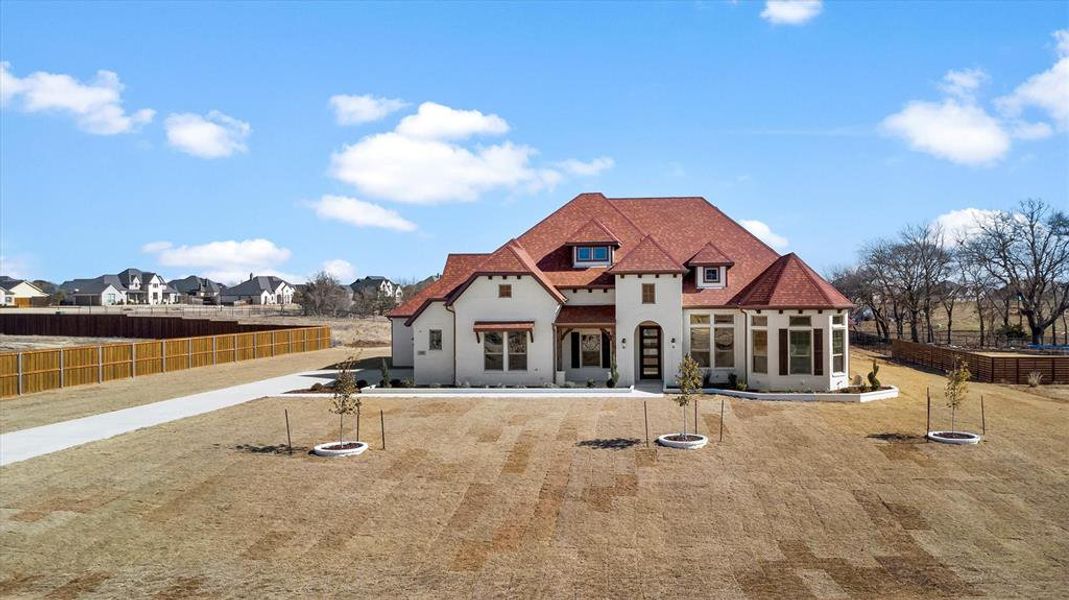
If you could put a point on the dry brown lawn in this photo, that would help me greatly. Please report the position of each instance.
(21, 412)
(553, 498)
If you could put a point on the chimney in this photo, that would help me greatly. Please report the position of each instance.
(250, 276)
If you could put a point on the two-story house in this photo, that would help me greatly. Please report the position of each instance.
(197, 290)
(259, 289)
(376, 286)
(641, 282)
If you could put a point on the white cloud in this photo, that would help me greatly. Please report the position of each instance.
(791, 12)
(360, 213)
(342, 270)
(154, 247)
(964, 83)
(226, 261)
(214, 135)
(593, 167)
(1047, 91)
(354, 110)
(961, 132)
(420, 171)
(1031, 131)
(434, 121)
(96, 106)
(960, 225)
(765, 233)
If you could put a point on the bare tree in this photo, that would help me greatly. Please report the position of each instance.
(1027, 252)
(322, 295)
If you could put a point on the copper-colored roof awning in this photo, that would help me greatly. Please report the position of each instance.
(586, 316)
(503, 326)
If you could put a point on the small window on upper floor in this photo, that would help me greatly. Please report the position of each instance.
(504, 291)
(711, 274)
(649, 293)
(592, 254)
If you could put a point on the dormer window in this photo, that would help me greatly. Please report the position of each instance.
(592, 255)
(711, 274)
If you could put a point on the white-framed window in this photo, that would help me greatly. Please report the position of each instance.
(517, 355)
(711, 274)
(760, 351)
(493, 351)
(800, 351)
(838, 350)
(593, 255)
(723, 341)
(700, 336)
(498, 357)
(434, 339)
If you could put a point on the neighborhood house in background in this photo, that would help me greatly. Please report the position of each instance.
(21, 293)
(639, 282)
(131, 286)
(198, 290)
(376, 286)
(259, 289)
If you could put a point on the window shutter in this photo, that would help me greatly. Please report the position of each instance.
(606, 358)
(575, 349)
(818, 351)
(782, 351)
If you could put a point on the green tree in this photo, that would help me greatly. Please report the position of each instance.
(689, 379)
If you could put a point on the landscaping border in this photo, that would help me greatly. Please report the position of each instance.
(890, 392)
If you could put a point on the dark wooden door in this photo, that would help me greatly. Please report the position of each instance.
(650, 352)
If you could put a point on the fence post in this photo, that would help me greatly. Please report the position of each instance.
(189, 353)
(234, 348)
(133, 360)
(254, 344)
(100, 364)
(18, 367)
(163, 356)
(61, 367)
(215, 351)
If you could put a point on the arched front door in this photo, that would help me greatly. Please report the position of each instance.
(649, 351)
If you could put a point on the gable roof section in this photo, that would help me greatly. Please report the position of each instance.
(256, 286)
(458, 267)
(93, 286)
(593, 232)
(790, 283)
(647, 257)
(510, 259)
(710, 255)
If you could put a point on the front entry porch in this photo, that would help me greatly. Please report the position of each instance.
(584, 345)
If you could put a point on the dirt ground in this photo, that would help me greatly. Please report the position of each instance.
(23, 343)
(554, 498)
(53, 406)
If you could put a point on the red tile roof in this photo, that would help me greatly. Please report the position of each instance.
(654, 234)
(790, 283)
(710, 255)
(647, 257)
(457, 269)
(593, 232)
(578, 316)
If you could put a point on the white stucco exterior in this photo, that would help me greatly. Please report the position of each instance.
(430, 365)
(401, 342)
(667, 312)
(529, 302)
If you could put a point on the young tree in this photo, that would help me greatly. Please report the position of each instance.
(956, 388)
(689, 379)
(346, 398)
(1027, 252)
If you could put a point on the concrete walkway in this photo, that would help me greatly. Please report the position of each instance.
(37, 441)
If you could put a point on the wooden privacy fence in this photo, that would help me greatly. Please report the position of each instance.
(991, 367)
(122, 326)
(40, 370)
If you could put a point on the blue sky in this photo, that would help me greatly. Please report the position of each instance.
(212, 145)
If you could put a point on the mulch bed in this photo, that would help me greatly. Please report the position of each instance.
(683, 438)
(345, 446)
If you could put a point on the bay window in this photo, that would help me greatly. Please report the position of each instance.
(838, 350)
(800, 347)
(760, 351)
